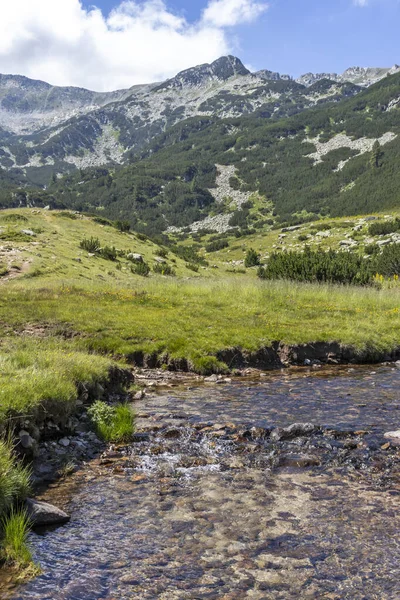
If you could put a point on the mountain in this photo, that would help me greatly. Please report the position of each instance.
(46, 130)
(363, 76)
(214, 148)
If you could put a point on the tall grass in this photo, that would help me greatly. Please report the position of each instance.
(112, 423)
(15, 528)
(14, 523)
(14, 478)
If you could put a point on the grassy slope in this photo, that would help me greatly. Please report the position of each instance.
(57, 317)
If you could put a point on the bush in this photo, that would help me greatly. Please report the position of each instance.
(317, 266)
(388, 263)
(123, 226)
(189, 254)
(14, 217)
(252, 258)
(108, 253)
(163, 269)
(103, 221)
(112, 423)
(372, 249)
(66, 215)
(384, 227)
(192, 267)
(91, 245)
(140, 268)
(217, 245)
(303, 237)
(161, 252)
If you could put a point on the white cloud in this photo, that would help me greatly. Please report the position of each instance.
(227, 13)
(360, 2)
(64, 43)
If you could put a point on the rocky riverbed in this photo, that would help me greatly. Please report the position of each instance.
(229, 492)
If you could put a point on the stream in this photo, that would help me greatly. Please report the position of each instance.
(221, 497)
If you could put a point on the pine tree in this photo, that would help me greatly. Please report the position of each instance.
(377, 154)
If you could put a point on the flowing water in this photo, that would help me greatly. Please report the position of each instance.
(218, 501)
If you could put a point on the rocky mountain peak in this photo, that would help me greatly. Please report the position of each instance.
(272, 75)
(364, 76)
(221, 69)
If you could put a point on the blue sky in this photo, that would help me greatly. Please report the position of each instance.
(110, 44)
(296, 36)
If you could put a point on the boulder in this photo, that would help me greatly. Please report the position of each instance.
(43, 514)
(27, 442)
(135, 257)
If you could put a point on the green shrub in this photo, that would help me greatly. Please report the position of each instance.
(318, 266)
(15, 527)
(14, 217)
(252, 258)
(192, 267)
(140, 268)
(123, 226)
(91, 245)
(112, 423)
(13, 235)
(108, 253)
(189, 254)
(103, 221)
(142, 237)
(303, 237)
(321, 227)
(163, 269)
(161, 252)
(384, 227)
(388, 262)
(66, 215)
(372, 249)
(3, 270)
(216, 245)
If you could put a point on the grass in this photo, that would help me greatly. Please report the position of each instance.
(66, 325)
(15, 528)
(112, 423)
(39, 377)
(14, 523)
(14, 478)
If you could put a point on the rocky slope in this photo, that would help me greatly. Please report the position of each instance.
(46, 130)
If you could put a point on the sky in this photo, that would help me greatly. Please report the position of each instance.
(112, 44)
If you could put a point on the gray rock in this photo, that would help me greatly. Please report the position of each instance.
(139, 395)
(293, 431)
(64, 442)
(27, 442)
(28, 232)
(211, 379)
(135, 257)
(42, 513)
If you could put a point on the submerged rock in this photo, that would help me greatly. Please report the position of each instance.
(42, 513)
(298, 460)
(293, 431)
